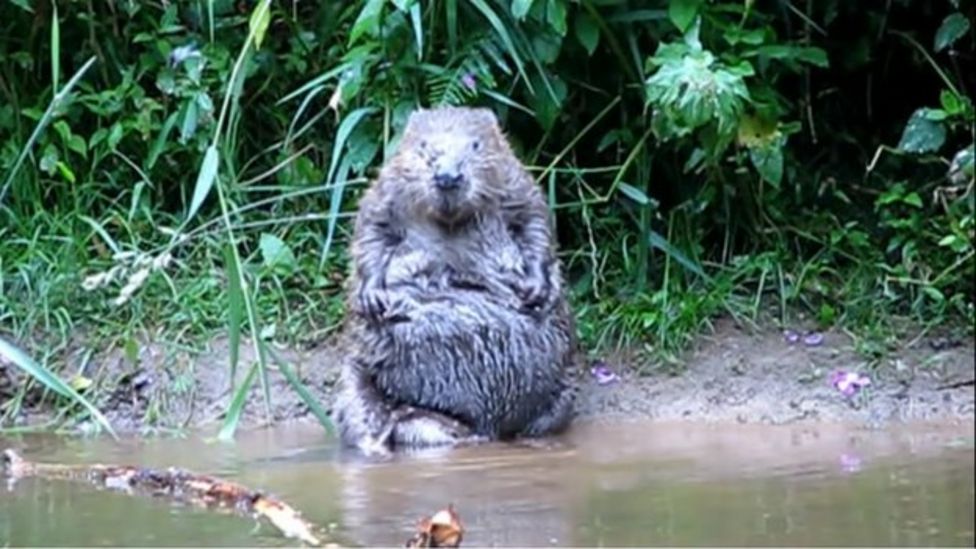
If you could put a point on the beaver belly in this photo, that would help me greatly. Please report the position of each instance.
(477, 361)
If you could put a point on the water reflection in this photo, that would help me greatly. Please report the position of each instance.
(622, 484)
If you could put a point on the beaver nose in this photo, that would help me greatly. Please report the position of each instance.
(447, 181)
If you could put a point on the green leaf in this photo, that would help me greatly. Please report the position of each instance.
(768, 161)
(948, 240)
(546, 110)
(115, 135)
(952, 29)
(934, 293)
(827, 315)
(160, 141)
(912, 199)
(66, 172)
(276, 253)
(587, 32)
(236, 408)
(190, 113)
(556, 15)
(49, 159)
(346, 127)
(921, 134)
(811, 55)
(260, 19)
(506, 38)
(520, 8)
(77, 144)
(814, 56)
(658, 241)
(951, 103)
(310, 400)
(418, 28)
(368, 21)
(634, 193)
(683, 12)
(24, 5)
(235, 308)
(205, 180)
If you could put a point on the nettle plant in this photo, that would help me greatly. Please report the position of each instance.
(933, 244)
(709, 98)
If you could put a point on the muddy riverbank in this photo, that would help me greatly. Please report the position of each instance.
(734, 374)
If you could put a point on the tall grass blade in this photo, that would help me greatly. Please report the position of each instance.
(306, 396)
(55, 50)
(236, 408)
(260, 19)
(235, 298)
(51, 381)
(55, 103)
(418, 29)
(655, 239)
(450, 13)
(342, 135)
(499, 27)
(205, 180)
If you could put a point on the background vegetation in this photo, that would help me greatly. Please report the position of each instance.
(173, 169)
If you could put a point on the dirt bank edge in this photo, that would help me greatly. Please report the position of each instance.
(733, 374)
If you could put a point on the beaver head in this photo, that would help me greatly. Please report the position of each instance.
(450, 162)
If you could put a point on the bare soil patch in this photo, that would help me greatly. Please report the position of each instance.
(733, 374)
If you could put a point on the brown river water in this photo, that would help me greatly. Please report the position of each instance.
(620, 484)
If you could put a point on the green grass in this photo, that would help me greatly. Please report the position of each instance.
(217, 194)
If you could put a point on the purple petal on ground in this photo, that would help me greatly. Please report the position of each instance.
(469, 81)
(602, 373)
(850, 463)
(848, 383)
(791, 336)
(812, 339)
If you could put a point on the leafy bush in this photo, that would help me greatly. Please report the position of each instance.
(193, 165)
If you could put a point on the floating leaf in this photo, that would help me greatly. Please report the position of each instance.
(922, 134)
(952, 28)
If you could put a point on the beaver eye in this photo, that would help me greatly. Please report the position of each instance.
(476, 145)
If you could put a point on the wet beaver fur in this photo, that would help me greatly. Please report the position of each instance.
(458, 329)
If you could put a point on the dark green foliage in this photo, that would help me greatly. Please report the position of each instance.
(701, 157)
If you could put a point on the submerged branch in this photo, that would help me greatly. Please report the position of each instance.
(443, 529)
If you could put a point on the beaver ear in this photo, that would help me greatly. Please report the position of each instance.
(486, 116)
(416, 116)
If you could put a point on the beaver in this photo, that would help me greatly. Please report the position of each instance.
(458, 329)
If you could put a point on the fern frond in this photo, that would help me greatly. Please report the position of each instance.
(464, 76)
